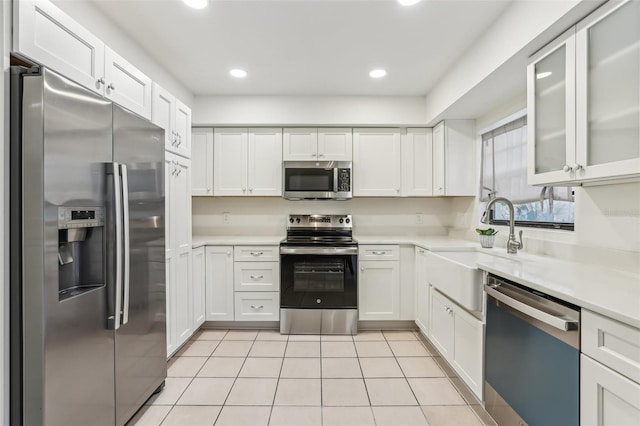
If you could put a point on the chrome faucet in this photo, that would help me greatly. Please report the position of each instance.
(512, 245)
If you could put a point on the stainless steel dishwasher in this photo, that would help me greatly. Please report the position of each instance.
(532, 358)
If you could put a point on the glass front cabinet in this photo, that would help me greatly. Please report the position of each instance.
(583, 95)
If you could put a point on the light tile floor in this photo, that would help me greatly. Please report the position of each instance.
(260, 378)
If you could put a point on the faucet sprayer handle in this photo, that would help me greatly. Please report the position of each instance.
(521, 245)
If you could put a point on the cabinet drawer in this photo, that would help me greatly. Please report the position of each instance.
(257, 276)
(257, 306)
(256, 253)
(379, 252)
(613, 343)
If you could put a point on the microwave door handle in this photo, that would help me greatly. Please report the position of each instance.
(126, 264)
(335, 180)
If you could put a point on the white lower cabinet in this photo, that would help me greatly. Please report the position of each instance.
(606, 397)
(609, 372)
(422, 291)
(256, 276)
(458, 336)
(198, 275)
(242, 283)
(257, 305)
(180, 325)
(183, 297)
(379, 290)
(219, 283)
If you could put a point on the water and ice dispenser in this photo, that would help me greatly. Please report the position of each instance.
(80, 250)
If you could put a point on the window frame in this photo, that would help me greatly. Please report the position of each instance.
(561, 226)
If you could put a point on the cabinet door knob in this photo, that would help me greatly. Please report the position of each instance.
(208, 189)
(250, 189)
(228, 253)
(362, 269)
(111, 86)
(244, 190)
(320, 155)
(313, 154)
(576, 167)
(566, 168)
(100, 80)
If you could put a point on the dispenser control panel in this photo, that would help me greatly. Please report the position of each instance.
(80, 217)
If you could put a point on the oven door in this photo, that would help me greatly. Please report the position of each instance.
(319, 278)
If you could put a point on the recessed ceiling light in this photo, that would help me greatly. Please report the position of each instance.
(379, 73)
(196, 4)
(542, 75)
(408, 2)
(238, 73)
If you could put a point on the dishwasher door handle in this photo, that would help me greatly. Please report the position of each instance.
(549, 319)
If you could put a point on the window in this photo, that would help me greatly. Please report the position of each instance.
(504, 174)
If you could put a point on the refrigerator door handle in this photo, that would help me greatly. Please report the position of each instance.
(125, 243)
(114, 320)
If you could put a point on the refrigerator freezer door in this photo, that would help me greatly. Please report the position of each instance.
(67, 348)
(141, 365)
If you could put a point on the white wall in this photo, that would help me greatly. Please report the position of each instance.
(309, 110)
(607, 218)
(91, 18)
(502, 51)
(5, 43)
(371, 216)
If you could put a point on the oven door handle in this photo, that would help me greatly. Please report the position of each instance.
(549, 319)
(319, 250)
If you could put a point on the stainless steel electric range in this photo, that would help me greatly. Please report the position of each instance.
(319, 276)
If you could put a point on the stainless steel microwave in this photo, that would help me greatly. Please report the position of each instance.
(317, 180)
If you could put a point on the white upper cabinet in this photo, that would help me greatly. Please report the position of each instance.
(608, 92)
(335, 144)
(300, 144)
(376, 162)
(126, 85)
(182, 129)
(454, 158)
(583, 96)
(264, 162)
(417, 163)
(551, 103)
(46, 34)
(49, 36)
(175, 118)
(202, 162)
(230, 162)
(247, 162)
(308, 144)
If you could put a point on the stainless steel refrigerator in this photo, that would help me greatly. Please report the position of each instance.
(88, 334)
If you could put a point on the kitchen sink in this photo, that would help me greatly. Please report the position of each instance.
(456, 274)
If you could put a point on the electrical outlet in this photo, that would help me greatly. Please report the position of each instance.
(225, 218)
(419, 218)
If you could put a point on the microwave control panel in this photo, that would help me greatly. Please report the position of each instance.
(344, 180)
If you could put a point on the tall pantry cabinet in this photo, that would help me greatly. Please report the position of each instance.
(175, 118)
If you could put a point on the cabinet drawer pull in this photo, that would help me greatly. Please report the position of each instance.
(257, 307)
(378, 253)
(256, 253)
(256, 277)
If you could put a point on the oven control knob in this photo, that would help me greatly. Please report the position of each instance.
(297, 220)
(341, 220)
(348, 220)
(290, 220)
(318, 300)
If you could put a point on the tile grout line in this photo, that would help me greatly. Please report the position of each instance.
(273, 402)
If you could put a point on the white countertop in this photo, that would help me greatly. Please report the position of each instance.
(610, 292)
(433, 243)
(236, 240)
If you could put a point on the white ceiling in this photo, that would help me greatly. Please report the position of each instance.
(305, 47)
